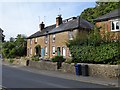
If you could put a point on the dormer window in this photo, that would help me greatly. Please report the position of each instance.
(115, 25)
(53, 38)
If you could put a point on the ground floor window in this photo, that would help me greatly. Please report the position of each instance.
(30, 51)
(46, 50)
(53, 49)
(64, 51)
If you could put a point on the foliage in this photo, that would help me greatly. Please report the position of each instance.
(11, 60)
(100, 9)
(15, 48)
(58, 59)
(68, 60)
(92, 49)
(35, 58)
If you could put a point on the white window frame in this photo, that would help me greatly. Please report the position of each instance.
(53, 38)
(53, 50)
(70, 35)
(65, 51)
(36, 40)
(46, 50)
(115, 21)
(46, 39)
(30, 41)
(30, 51)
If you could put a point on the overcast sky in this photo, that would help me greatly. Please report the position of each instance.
(23, 17)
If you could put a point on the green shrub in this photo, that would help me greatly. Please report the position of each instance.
(93, 49)
(68, 60)
(11, 60)
(35, 58)
(58, 59)
(104, 53)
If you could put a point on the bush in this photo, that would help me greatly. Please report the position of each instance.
(35, 58)
(58, 59)
(93, 49)
(68, 60)
(11, 60)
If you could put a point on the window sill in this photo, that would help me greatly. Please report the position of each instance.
(115, 30)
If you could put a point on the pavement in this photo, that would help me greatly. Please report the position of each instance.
(88, 79)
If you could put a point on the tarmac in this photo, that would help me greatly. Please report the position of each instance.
(89, 79)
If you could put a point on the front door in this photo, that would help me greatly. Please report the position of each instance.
(42, 52)
(58, 51)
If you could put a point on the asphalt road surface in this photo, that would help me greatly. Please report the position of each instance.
(16, 78)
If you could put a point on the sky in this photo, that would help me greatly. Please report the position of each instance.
(25, 17)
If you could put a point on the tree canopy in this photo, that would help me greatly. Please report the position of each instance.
(100, 9)
(15, 47)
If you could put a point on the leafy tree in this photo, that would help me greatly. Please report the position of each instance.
(15, 48)
(100, 9)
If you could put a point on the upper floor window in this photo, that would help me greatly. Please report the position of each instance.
(70, 35)
(35, 40)
(53, 49)
(46, 39)
(115, 25)
(53, 38)
(30, 41)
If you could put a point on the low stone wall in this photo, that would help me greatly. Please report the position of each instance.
(104, 71)
(20, 61)
(94, 70)
(43, 65)
(68, 68)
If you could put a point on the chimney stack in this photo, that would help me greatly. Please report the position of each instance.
(41, 26)
(58, 20)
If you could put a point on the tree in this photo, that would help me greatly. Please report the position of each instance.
(100, 9)
(15, 48)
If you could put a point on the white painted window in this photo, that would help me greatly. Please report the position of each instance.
(64, 51)
(46, 39)
(30, 51)
(53, 38)
(115, 25)
(53, 49)
(30, 41)
(36, 40)
(46, 50)
(70, 35)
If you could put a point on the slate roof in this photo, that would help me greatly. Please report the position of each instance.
(73, 24)
(113, 14)
(43, 32)
(76, 22)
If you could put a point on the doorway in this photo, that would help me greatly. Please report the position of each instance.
(58, 51)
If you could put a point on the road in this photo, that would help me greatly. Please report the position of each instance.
(17, 78)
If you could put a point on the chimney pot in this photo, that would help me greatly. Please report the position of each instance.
(42, 26)
(58, 20)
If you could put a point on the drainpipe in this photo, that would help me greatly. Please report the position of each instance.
(49, 45)
(78, 22)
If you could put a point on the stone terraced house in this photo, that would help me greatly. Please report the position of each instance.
(110, 24)
(52, 39)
